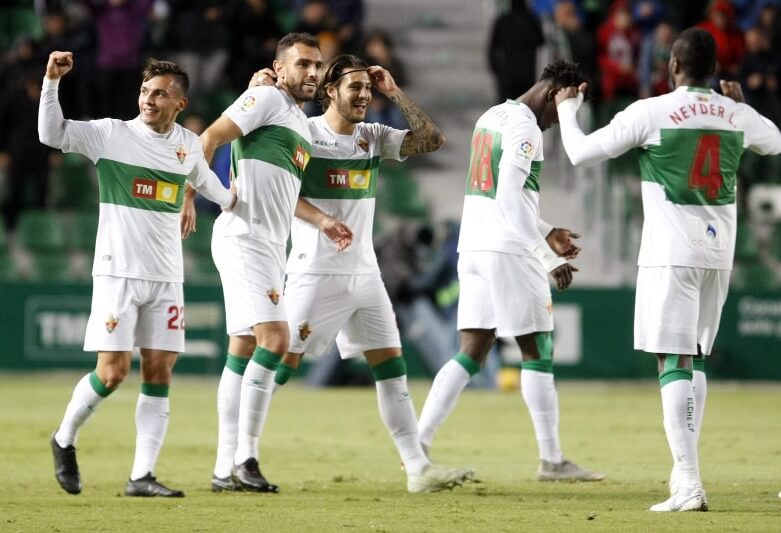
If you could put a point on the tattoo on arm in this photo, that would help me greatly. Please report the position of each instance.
(425, 135)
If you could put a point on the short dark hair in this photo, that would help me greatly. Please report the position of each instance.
(695, 50)
(563, 73)
(154, 68)
(337, 67)
(307, 39)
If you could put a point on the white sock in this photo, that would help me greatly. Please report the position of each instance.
(398, 415)
(151, 425)
(700, 386)
(83, 403)
(445, 390)
(228, 396)
(257, 389)
(678, 407)
(542, 400)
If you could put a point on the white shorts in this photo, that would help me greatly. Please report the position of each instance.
(252, 274)
(677, 308)
(509, 293)
(128, 313)
(355, 309)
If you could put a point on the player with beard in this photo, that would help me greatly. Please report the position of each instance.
(270, 149)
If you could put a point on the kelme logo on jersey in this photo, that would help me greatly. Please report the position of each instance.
(162, 191)
(181, 153)
(340, 178)
(300, 157)
(304, 331)
(273, 295)
(111, 323)
(525, 149)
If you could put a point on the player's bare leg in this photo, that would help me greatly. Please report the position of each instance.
(542, 401)
(111, 369)
(152, 410)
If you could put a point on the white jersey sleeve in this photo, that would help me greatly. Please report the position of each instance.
(628, 129)
(761, 135)
(256, 107)
(205, 181)
(388, 139)
(86, 138)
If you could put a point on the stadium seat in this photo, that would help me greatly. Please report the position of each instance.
(81, 231)
(746, 248)
(51, 266)
(755, 276)
(398, 192)
(775, 241)
(200, 269)
(41, 231)
(200, 242)
(73, 184)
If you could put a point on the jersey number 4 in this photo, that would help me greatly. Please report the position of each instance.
(705, 171)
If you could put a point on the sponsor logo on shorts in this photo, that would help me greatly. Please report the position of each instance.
(340, 178)
(181, 153)
(273, 295)
(111, 323)
(363, 144)
(300, 157)
(304, 331)
(161, 191)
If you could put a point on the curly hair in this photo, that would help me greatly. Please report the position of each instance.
(337, 67)
(563, 73)
(154, 68)
(695, 50)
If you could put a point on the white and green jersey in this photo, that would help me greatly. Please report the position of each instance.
(141, 178)
(692, 140)
(501, 206)
(341, 180)
(267, 163)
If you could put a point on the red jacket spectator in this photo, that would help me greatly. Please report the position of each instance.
(730, 46)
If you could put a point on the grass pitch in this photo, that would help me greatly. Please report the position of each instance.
(338, 470)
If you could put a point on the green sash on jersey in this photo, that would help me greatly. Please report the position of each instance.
(486, 153)
(340, 179)
(276, 145)
(140, 187)
(694, 166)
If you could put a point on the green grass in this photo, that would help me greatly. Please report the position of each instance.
(338, 470)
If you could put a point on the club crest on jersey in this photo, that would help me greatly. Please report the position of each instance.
(304, 331)
(273, 295)
(181, 153)
(363, 144)
(248, 103)
(525, 149)
(300, 157)
(111, 323)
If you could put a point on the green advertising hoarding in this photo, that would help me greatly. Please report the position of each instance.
(43, 329)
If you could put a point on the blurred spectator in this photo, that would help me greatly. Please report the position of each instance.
(759, 75)
(25, 160)
(769, 23)
(684, 14)
(349, 16)
(729, 41)
(512, 50)
(17, 19)
(378, 50)
(618, 42)
(198, 36)
(254, 33)
(120, 26)
(653, 61)
(316, 17)
(647, 14)
(571, 42)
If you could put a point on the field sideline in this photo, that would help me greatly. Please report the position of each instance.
(338, 471)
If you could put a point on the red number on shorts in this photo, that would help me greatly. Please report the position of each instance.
(176, 315)
(708, 150)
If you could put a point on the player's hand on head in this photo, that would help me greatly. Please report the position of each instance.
(563, 275)
(59, 64)
(560, 241)
(732, 89)
(382, 79)
(263, 78)
(565, 93)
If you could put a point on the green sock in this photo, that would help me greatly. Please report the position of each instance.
(395, 367)
(152, 389)
(671, 372)
(266, 358)
(284, 373)
(98, 386)
(471, 366)
(237, 364)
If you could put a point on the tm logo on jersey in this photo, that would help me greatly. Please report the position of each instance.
(300, 157)
(155, 190)
(339, 178)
